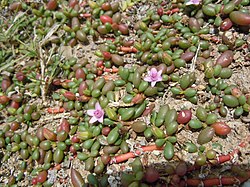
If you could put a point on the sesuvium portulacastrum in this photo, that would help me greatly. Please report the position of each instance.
(97, 113)
(153, 76)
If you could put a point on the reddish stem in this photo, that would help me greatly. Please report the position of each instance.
(58, 82)
(224, 158)
(215, 39)
(228, 157)
(112, 39)
(244, 143)
(82, 4)
(56, 110)
(220, 159)
(126, 156)
(122, 157)
(128, 49)
(148, 110)
(86, 15)
(151, 148)
(57, 167)
(111, 70)
(221, 181)
(174, 10)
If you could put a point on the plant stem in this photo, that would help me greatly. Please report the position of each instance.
(138, 152)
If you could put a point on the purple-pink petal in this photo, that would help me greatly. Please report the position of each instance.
(153, 83)
(159, 78)
(97, 106)
(90, 112)
(196, 1)
(153, 71)
(100, 119)
(93, 119)
(148, 79)
(159, 73)
(96, 114)
(153, 76)
(193, 2)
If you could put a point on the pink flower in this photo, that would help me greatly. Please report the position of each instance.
(97, 113)
(193, 2)
(153, 76)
